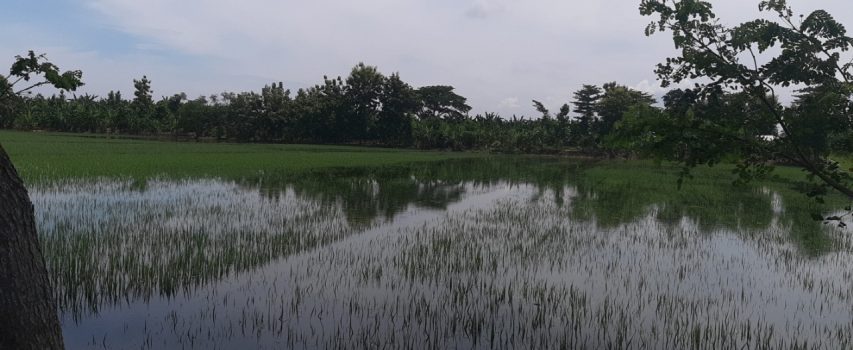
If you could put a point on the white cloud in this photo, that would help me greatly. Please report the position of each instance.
(654, 88)
(487, 49)
(529, 49)
(509, 103)
(486, 8)
(648, 87)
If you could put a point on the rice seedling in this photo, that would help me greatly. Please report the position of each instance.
(42, 157)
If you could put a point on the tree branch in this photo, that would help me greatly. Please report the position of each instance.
(32, 87)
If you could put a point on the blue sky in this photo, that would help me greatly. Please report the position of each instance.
(76, 36)
(65, 22)
(498, 53)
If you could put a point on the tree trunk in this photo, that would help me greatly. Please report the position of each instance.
(28, 314)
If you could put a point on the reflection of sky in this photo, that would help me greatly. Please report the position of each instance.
(213, 207)
(172, 207)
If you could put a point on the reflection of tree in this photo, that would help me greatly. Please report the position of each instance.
(611, 194)
(366, 195)
(622, 203)
(618, 195)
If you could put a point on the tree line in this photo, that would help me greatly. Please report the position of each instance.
(366, 107)
(370, 108)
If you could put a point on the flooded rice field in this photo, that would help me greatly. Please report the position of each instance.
(488, 254)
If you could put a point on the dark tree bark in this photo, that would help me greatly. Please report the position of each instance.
(28, 314)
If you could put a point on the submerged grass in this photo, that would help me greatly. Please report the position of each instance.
(510, 265)
(110, 244)
(524, 274)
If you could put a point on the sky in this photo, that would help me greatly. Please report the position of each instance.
(500, 54)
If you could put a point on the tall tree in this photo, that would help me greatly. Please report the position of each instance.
(586, 106)
(193, 117)
(276, 112)
(679, 101)
(614, 102)
(546, 114)
(116, 111)
(363, 90)
(399, 103)
(245, 112)
(440, 102)
(322, 111)
(30, 319)
(143, 106)
(173, 106)
(757, 57)
(142, 95)
(563, 123)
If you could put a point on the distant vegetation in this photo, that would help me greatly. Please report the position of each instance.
(366, 107)
(369, 108)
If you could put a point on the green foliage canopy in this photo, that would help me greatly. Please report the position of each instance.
(756, 58)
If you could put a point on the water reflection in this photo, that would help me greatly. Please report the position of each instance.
(454, 249)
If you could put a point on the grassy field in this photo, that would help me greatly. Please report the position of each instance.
(41, 156)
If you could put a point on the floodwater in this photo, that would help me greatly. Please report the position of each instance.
(500, 253)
